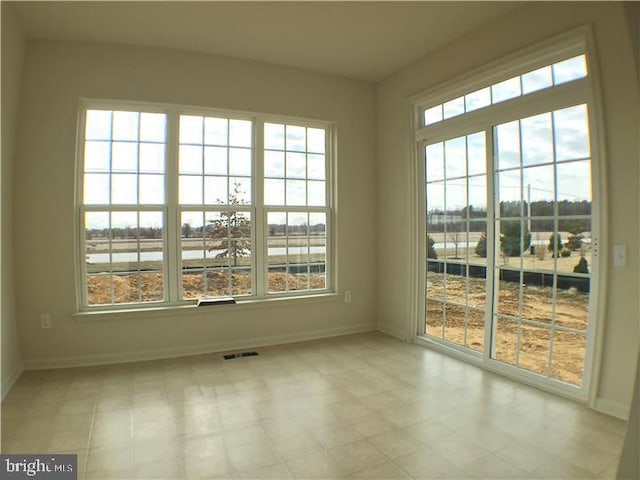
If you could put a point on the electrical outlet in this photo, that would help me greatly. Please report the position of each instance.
(347, 296)
(45, 320)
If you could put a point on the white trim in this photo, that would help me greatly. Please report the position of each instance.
(581, 91)
(418, 234)
(504, 370)
(522, 61)
(259, 269)
(79, 267)
(160, 354)
(492, 294)
(543, 101)
(172, 225)
(614, 409)
(394, 333)
(186, 109)
(599, 209)
(190, 309)
(172, 209)
(331, 204)
(9, 382)
(608, 407)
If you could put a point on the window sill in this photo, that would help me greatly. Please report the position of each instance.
(193, 310)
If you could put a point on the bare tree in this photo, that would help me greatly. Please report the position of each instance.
(454, 232)
(231, 233)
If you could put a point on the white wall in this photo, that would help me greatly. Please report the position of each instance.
(13, 45)
(629, 465)
(632, 10)
(516, 30)
(56, 75)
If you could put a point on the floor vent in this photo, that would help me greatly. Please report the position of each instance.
(239, 355)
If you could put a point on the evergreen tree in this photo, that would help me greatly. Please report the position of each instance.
(481, 246)
(555, 239)
(510, 239)
(431, 251)
(582, 266)
(574, 242)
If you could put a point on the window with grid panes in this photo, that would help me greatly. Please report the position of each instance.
(177, 205)
(295, 187)
(510, 228)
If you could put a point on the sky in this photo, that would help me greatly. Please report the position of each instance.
(544, 149)
(526, 149)
(545, 77)
(124, 162)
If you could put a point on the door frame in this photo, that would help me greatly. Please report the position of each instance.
(587, 91)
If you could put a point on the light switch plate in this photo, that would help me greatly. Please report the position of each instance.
(45, 320)
(619, 255)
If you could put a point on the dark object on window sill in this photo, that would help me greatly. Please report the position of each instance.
(205, 302)
(239, 355)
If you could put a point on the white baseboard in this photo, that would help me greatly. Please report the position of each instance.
(614, 409)
(157, 354)
(7, 383)
(392, 332)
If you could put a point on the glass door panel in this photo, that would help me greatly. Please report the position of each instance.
(456, 214)
(536, 290)
(510, 233)
(543, 243)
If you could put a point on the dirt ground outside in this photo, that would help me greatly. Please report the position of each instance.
(525, 345)
(149, 287)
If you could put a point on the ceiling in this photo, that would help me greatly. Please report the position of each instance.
(360, 40)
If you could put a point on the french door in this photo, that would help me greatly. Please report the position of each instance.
(511, 242)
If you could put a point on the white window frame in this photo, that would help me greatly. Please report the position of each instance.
(265, 209)
(585, 90)
(172, 209)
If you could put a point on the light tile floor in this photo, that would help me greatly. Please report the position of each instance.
(361, 406)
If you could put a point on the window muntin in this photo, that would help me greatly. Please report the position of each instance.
(218, 243)
(543, 231)
(538, 184)
(294, 165)
(297, 250)
(543, 222)
(123, 185)
(217, 250)
(549, 76)
(124, 158)
(215, 165)
(124, 258)
(215, 161)
(456, 201)
(296, 199)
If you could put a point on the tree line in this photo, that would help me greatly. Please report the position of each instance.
(126, 233)
(437, 218)
(514, 241)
